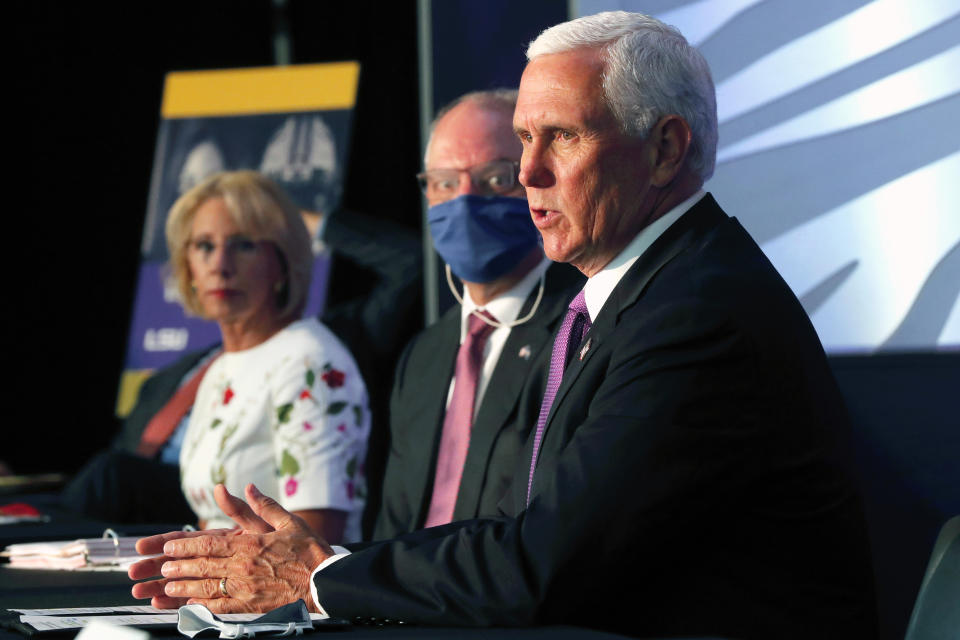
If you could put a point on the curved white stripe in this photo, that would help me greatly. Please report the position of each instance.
(923, 83)
(897, 233)
(851, 39)
(698, 21)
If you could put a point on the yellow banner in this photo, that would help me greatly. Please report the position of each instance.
(234, 92)
(130, 382)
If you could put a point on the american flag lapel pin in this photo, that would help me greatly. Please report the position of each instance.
(525, 352)
(585, 348)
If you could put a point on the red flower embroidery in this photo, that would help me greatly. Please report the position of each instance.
(333, 378)
(305, 394)
(227, 395)
(291, 487)
(342, 428)
(307, 426)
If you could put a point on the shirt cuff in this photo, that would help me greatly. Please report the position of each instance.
(339, 552)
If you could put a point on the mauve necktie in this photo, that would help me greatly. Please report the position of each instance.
(575, 324)
(457, 422)
(165, 421)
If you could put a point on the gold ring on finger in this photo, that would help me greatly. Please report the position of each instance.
(223, 588)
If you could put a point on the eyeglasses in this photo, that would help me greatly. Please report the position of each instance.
(493, 178)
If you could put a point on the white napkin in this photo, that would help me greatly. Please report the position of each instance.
(290, 619)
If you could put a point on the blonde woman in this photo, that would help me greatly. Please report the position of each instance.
(284, 405)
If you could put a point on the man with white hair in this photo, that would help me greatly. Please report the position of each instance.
(687, 472)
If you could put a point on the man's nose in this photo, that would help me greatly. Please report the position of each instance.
(466, 186)
(533, 171)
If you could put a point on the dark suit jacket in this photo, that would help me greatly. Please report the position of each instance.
(509, 408)
(691, 480)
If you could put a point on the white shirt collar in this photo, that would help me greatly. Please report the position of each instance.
(602, 284)
(506, 306)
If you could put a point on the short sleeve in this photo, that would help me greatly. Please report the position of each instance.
(320, 421)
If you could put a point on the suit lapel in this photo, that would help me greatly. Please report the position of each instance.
(678, 237)
(441, 348)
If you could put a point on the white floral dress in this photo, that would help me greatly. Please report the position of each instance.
(289, 415)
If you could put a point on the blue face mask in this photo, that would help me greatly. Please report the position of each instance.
(482, 237)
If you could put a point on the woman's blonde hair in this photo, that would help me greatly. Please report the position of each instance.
(262, 210)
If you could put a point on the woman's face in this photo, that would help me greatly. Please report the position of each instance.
(235, 277)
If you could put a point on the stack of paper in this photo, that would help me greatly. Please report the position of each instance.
(115, 553)
(191, 619)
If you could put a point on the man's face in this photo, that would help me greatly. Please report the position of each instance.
(588, 184)
(467, 138)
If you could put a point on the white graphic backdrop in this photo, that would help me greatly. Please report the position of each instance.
(840, 153)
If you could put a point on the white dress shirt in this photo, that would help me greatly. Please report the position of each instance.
(602, 284)
(506, 309)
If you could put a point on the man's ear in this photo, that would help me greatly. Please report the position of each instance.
(671, 138)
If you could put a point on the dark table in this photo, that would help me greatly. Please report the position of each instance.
(42, 589)
(66, 525)
(47, 589)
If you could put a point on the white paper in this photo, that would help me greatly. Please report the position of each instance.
(47, 622)
(76, 611)
(50, 623)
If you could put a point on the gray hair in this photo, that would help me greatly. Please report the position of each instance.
(650, 71)
(492, 99)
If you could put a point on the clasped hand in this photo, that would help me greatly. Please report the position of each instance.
(263, 564)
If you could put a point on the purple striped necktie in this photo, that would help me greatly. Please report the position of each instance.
(455, 438)
(575, 325)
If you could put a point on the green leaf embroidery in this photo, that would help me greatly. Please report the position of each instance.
(216, 423)
(336, 407)
(218, 476)
(288, 464)
(283, 412)
(358, 414)
(352, 467)
(311, 376)
(226, 436)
